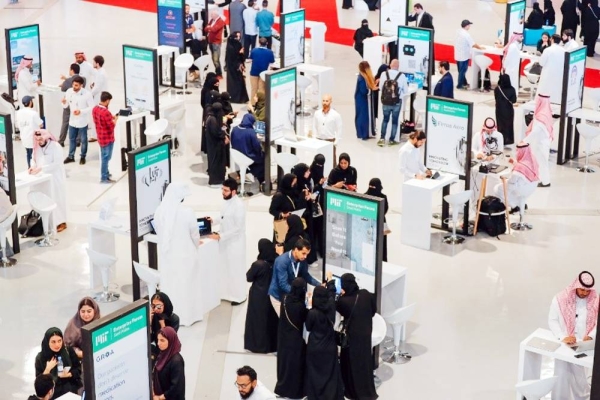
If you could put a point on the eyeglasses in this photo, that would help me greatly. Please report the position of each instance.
(242, 386)
(157, 306)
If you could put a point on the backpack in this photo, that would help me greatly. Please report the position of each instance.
(389, 92)
(492, 218)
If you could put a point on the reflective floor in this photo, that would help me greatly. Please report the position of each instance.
(475, 302)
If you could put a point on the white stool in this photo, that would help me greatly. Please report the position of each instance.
(397, 320)
(531, 78)
(202, 63)
(43, 205)
(286, 161)
(535, 389)
(156, 130)
(303, 83)
(589, 133)
(360, 6)
(377, 336)
(183, 62)
(105, 263)
(150, 276)
(595, 96)
(483, 62)
(243, 162)
(175, 119)
(419, 106)
(524, 193)
(456, 201)
(4, 226)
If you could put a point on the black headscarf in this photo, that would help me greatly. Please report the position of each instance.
(216, 109)
(297, 292)
(168, 310)
(209, 81)
(214, 96)
(285, 186)
(299, 170)
(211, 84)
(349, 284)
(48, 354)
(266, 251)
(225, 100)
(295, 227)
(375, 188)
(338, 174)
(317, 168)
(504, 81)
(320, 299)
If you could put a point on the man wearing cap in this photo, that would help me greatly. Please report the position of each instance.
(28, 120)
(511, 60)
(462, 53)
(573, 316)
(360, 35)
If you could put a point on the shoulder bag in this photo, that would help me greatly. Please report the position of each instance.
(31, 225)
(341, 336)
(288, 318)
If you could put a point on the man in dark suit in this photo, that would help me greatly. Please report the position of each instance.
(445, 86)
(422, 18)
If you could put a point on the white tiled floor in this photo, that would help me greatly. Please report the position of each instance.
(474, 305)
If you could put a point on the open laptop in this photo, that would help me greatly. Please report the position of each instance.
(543, 344)
(204, 226)
(585, 346)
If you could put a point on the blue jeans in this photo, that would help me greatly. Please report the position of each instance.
(395, 112)
(29, 153)
(215, 51)
(462, 73)
(73, 133)
(105, 156)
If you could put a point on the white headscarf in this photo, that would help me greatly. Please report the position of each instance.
(165, 215)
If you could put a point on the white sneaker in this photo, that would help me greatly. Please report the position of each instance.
(249, 177)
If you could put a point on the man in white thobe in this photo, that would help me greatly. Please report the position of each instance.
(85, 68)
(487, 141)
(552, 62)
(249, 387)
(569, 41)
(540, 134)
(100, 85)
(572, 318)
(232, 245)
(511, 62)
(411, 163)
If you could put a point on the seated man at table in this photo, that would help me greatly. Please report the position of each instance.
(525, 172)
(573, 316)
(244, 140)
(487, 141)
(411, 160)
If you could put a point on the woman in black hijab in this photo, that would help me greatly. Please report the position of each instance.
(536, 18)
(207, 97)
(357, 307)
(375, 190)
(291, 347)
(505, 96)
(260, 335)
(590, 14)
(323, 378)
(46, 362)
(286, 199)
(304, 190)
(295, 232)
(225, 100)
(318, 179)
(234, 60)
(161, 315)
(550, 14)
(343, 176)
(217, 145)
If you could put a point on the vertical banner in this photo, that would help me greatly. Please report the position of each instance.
(292, 38)
(7, 171)
(448, 127)
(171, 23)
(415, 50)
(392, 13)
(140, 74)
(20, 42)
(148, 180)
(281, 103)
(116, 355)
(287, 6)
(515, 19)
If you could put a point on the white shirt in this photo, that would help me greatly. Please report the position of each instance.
(327, 126)
(87, 71)
(411, 162)
(494, 142)
(402, 82)
(552, 62)
(249, 16)
(261, 393)
(463, 45)
(100, 84)
(25, 85)
(571, 45)
(81, 101)
(28, 120)
(557, 324)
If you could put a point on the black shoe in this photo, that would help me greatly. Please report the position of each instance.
(514, 210)
(69, 160)
(542, 185)
(82, 161)
(78, 144)
(235, 303)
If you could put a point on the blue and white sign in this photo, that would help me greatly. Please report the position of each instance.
(171, 23)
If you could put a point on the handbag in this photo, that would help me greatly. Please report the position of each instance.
(341, 336)
(31, 225)
(317, 211)
(280, 227)
(288, 318)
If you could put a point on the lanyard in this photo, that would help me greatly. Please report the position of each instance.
(296, 267)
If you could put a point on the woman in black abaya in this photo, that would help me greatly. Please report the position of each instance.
(357, 307)
(343, 176)
(207, 97)
(589, 25)
(505, 96)
(375, 190)
(317, 170)
(234, 60)
(323, 378)
(291, 348)
(260, 335)
(304, 190)
(217, 143)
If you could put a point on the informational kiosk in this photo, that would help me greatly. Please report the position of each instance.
(292, 38)
(515, 18)
(572, 100)
(280, 109)
(149, 175)
(116, 355)
(286, 6)
(392, 14)
(415, 49)
(171, 23)
(140, 73)
(20, 42)
(448, 147)
(7, 171)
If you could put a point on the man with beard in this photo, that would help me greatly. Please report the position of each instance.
(250, 387)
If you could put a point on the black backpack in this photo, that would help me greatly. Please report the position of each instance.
(492, 217)
(389, 92)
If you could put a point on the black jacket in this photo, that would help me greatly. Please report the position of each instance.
(426, 20)
(172, 378)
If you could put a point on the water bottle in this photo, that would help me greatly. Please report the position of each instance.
(60, 365)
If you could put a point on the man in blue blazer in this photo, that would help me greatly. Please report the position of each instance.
(445, 86)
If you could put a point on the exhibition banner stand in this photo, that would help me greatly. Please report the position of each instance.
(286, 6)
(353, 232)
(448, 146)
(149, 175)
(281, 112)
(7, 172)
(292, 38)
(171, 23)
(572, 99)
(116, 354)
(140, 73)
(515, 19)
(415, 46)
(392, 14)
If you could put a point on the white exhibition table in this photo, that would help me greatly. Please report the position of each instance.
(102, 238)
(312, 146)
(493, 50)
(372, 50)
(42, 180)
(417, 204)
(135, 120)
(530, 358)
